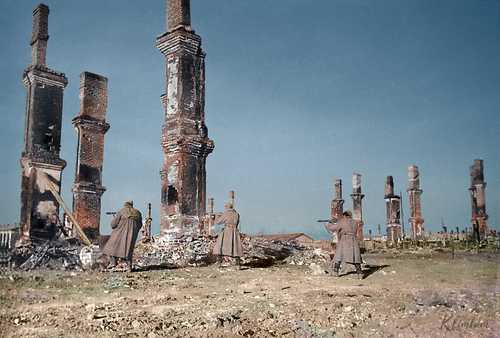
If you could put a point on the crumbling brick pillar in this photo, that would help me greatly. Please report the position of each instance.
(393, 212)
(478, 199)
(185, 140)
(178, 14)
(414, 192)
(337, 206)
(90, 125)
(42, 137)
(357, 212)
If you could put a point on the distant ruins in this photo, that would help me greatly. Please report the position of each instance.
(357, 207)
(90, 125)
(185, 141)
(42, 137)
(393, 210)
(478, 199)
(414, 192)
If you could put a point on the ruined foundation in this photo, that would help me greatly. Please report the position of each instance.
(414, 192)
(90, 125)
(393, 213)
(185, 141)
(42, 138)
(478, 200)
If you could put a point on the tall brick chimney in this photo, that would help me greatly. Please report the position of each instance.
(185, 140)
(478, 198)
(42, 136)
(414, 198)
(90, 124)
(178, 14)
(357, 206)
(40, 35)
(393, 210)
(337, 205)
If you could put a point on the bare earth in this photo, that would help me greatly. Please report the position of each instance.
(410, 296)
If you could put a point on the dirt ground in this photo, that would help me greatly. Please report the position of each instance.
(408, 295)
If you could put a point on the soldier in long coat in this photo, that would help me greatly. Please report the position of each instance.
(126, 225)
(228, 242)
(347, 250)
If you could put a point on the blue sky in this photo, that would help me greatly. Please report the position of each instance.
(298, 92)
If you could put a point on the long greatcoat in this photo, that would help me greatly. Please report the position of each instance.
(228, 241)
(126, 225)
(347, 246)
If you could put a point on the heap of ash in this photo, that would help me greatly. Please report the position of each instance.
(60, 254)
(189, 251)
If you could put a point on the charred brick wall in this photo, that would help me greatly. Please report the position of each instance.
(185, 139)
(42, 136)
(91, 126)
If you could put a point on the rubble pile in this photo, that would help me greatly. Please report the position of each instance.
(51, 255)
(189, 251)
(186, 251)
(309, 256)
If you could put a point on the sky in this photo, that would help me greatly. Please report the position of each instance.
(299, 92)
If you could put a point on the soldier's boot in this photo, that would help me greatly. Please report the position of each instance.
(336, 269)
(112, 262)
(238, 263)
(359, 271)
